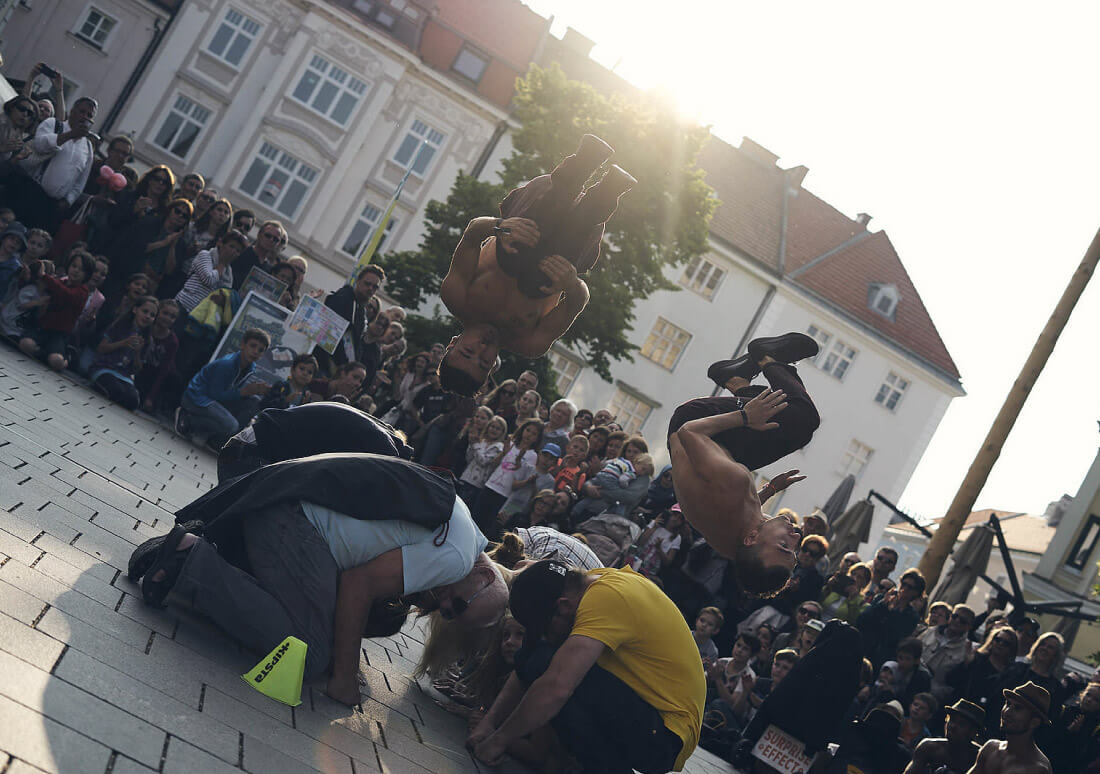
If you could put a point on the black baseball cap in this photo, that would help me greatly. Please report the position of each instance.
(535, 591)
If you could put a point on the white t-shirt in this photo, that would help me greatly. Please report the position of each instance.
(426, 565)
(501, 479)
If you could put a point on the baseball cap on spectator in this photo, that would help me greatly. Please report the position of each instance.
(15, 229)
(535, 593)
(551, 448)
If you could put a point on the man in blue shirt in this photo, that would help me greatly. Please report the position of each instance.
(221, 397)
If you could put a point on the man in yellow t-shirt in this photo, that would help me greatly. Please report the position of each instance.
(624, 688)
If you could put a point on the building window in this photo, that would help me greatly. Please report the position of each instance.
(181, 126)
(665, 343)
(364, 227)
(1085, 545)
(96, 27)
(891, 391)
(233, 37)
(835, 356)
(418, 148)
(703, 277)
(470, 64)
(856, 458)
(329, 90)
(566, 370)
(278, 180)
(630, 411)
(883, 299)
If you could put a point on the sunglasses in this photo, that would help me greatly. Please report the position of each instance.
(460, 605)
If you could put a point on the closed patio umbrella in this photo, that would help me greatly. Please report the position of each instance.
(970, 561)
(851, 529)
(838, 501)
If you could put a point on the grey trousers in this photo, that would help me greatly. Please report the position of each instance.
(293, 591)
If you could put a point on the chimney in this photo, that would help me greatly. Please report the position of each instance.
(795, 176)
(758, 152)
(863, 219)
(577, 42)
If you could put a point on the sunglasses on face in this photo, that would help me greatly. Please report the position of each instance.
(460, 605)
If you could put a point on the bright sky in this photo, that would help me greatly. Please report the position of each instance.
(969, 131)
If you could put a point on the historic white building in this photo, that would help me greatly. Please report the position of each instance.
(312, 112)
(783, 260)
(97, 45)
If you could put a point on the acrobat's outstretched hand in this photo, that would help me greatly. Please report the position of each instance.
(562, 274)
(763, 407)
(513, 232)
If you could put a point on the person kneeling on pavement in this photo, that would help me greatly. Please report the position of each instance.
(618, 675)
(306, 547)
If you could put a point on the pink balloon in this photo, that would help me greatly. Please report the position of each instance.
(105, 173)
(118, 181)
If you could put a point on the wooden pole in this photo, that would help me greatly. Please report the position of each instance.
(931, 564)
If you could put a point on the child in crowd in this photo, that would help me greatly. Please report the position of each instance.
(222, 397)
(38, 246)
(569, 473)
(657, 546)
(50, 337)
(25, 302)
(120, 354)
(527, 481)
(707, 624)
(915, 726)
(13, 243)
(782, 663)
(295, 390)
(160, 355)
(137, 286)
(86, 324)
(481, 457)
(519, 451)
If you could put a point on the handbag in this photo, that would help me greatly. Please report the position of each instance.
(72, 230)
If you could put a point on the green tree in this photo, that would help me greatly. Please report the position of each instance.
(662, 222)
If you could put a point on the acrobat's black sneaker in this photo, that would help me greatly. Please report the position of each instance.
(724, 370)
(788, 348)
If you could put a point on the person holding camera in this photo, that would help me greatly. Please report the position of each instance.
(60, 166)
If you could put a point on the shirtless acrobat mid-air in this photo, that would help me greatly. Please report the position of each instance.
(513, 281)
(715, 443)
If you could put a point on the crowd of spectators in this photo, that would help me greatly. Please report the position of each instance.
(135, 292)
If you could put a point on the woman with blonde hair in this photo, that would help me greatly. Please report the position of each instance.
(527, 407)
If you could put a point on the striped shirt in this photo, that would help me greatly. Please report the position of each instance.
(548, 543)
(204, 279)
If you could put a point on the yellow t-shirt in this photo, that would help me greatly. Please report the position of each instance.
(650, 648)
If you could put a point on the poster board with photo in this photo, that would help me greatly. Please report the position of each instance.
(256, 311)
(318, 323)
(266, 285)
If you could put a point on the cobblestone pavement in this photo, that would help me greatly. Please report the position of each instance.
(92, 680)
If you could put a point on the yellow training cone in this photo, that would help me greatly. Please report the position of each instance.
(279, 673)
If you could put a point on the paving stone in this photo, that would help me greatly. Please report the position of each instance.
(182, 721)
(75, 604)
(184, 686)
(280, 736)
(19, 605)
(74, 708)
(46, 744)
(30, 645)
(261, 758)
(124, 765)
(183, 758)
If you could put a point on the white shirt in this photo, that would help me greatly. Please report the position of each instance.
(501, 480)
(64, 171)
(425, 565)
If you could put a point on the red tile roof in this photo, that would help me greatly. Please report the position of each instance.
(750, 218)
